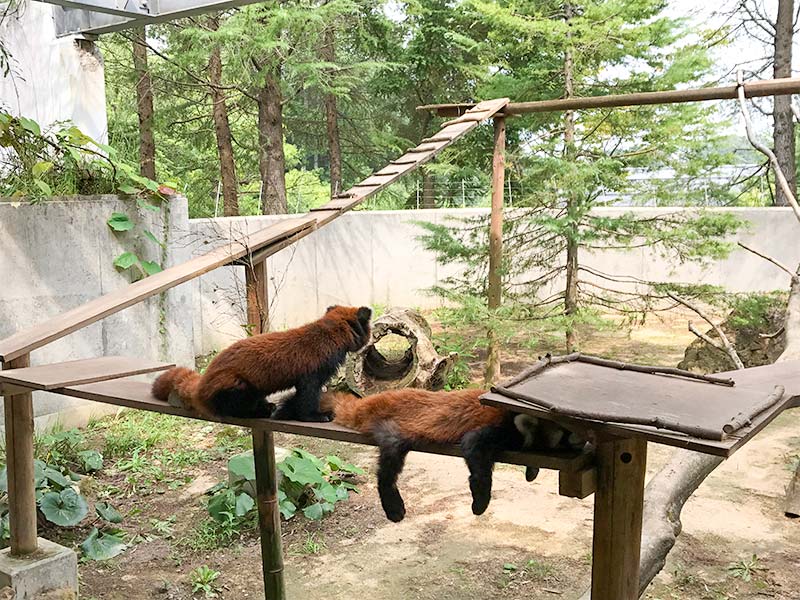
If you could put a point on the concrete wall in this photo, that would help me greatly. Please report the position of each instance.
(57, 255)
(52, 79)
(374, 258)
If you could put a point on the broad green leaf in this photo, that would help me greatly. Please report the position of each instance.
(108, 512)
(244, 504)
(43, 186)
(150, 267)
(102, 546)
(120, 222)
(222, 504)
(327, 492)
(126, 189)
(143, 204)
(55, 476)
(65, 508)
(126, 260)
(287, 508)
(337, 464)
(41, 167)
(243, 466)
(30, 125)
(314, 512)
(91, 460)
(301, 470)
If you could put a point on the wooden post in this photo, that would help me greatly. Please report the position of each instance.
(494, 291)
(257, 297)
(618, 504)
(269, 516)
(19, 456)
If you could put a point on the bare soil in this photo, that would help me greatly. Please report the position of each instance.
(531, 543)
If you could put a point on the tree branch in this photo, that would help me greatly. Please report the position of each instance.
(774, 261)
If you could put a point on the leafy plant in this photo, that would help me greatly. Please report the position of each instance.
(204, 580)
(745, 569)
(103, 545)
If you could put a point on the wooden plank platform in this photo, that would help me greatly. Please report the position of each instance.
(414, 157)
(601, 388)
(76, 372)
(136, 394)
(34, 337)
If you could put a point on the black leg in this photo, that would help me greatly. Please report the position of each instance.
(480, 448)
(243, 402)
(392, 456)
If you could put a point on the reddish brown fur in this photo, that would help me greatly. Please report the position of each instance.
(443, 417)
(269, 362)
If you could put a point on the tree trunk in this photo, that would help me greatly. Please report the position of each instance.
(571, 289)
(495, 284)
(328, 54)
(783, 130)
(428, 191)
(271, 160)
(144, 105)
(227, 166)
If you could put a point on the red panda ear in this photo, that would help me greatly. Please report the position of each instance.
(330, 308)
(364, 313)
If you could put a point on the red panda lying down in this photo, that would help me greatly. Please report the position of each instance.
(398, 418)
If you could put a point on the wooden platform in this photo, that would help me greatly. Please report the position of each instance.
(132, 393)
(588, 387)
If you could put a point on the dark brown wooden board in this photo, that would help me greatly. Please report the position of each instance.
(723, 448)
(136, 394)
(74, 372)
(37, 336)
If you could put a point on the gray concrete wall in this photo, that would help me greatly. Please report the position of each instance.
(59, 254)
(374, 258)
(52, 79)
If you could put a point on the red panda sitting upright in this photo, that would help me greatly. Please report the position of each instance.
(240, 377)
(398, 418)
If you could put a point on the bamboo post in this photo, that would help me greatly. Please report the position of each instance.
(492, 372)
(19, 455)
(618, 505)
(269, 517)
(257, 297)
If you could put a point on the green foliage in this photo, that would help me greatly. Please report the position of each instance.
(745, 569)
(309, 484)
(61, 456)
(64, 161)
(103, 545)
(751, 312)
(204, 579)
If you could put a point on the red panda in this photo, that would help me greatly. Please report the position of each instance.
(240, 377)
(398, 418)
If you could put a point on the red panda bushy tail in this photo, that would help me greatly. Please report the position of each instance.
(182, 381)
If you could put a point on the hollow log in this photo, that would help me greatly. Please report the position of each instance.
(400, 354)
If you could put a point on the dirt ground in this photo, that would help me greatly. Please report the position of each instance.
(530, 544)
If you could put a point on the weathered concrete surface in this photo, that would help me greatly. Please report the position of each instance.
(52, 568)
(59, 254)
(52, 79)
(375, 258)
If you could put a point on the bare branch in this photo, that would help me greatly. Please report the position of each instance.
(779, 175)
(721, 334)
(704, 337)
(774, 261)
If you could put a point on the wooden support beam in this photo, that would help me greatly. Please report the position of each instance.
(492, 371)
(257, 286)
(269, 516)
(19, 457)
(618, 505)
(577, 484)
(755, 89)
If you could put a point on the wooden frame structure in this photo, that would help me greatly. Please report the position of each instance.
(615, 472)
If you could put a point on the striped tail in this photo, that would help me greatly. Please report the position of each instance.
(182, 381)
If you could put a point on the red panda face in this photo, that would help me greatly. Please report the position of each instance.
(357, 319)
